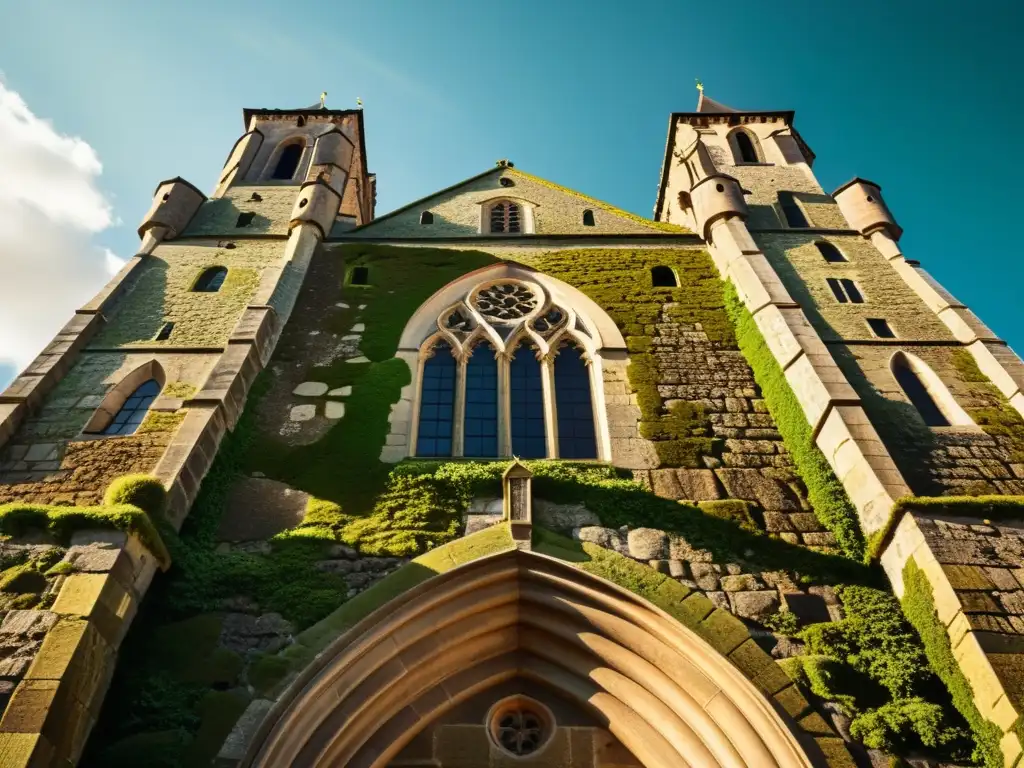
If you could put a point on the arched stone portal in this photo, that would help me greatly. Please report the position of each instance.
(663, 692)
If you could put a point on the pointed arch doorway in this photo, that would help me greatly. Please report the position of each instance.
(524, 630)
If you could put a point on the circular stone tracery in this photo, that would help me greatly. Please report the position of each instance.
(519, 726)
(505, 302)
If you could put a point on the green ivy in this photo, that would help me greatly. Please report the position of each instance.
(919, 606)
(828, 497)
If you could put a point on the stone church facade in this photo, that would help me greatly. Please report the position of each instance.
(509, 476)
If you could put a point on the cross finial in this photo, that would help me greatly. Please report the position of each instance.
(359, 103)
(323, 100)
(700, 85)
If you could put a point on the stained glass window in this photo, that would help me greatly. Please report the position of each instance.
(134, 410)
(437, 398)
(527, 401)
(575, 412)
(480, 425)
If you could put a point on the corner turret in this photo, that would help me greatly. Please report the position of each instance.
(706, 194)
(860, 201)
(175, 202)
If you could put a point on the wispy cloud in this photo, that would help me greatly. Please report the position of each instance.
(50, 207)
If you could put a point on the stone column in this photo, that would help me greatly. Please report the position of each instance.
(459, 406)
(547, 381)
(504, 403)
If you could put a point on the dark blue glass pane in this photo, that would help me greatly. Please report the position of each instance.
(575, 412)
(435, 424)
(527, 401)
(151, 387)
(481, 417)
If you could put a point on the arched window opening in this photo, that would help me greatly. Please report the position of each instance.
(791, 210)
(506, 219)
(745, 146)
(134, 410)
(526, 397)
(588, 218)
(211, 280)
(663, 277)
(288, 161)
(480, 424)
(917, 392)
(845, 290)
(426, 218)
(437, 403)
(576, 438)
(829, 252)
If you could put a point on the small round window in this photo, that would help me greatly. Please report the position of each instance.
(520, 726)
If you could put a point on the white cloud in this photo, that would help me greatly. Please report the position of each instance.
(50, 207)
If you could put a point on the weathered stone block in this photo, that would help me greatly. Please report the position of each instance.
(647, 544)
(31, 624)
(757, 606)
(745, 581)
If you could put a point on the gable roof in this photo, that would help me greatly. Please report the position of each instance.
(511, 171)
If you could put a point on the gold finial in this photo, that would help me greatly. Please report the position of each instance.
(323, 100)
(700, 85)
(359, 103)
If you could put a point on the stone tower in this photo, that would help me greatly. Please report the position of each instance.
(298, 418)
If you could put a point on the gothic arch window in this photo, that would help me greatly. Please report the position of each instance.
(288, 161)
(829, 252)
(211, 279)
(576, 436)
(134, 410)
(426, 217)
(437, 402)
(926, 392)
(519, 374)
(663, 277)
(505, 217)
(126, 405)
(588, 218)
(745, 147)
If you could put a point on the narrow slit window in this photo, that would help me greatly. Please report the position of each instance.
(663, 277)
(245, 219)
(359, 276)
(211, 280)
(588, 218)
(745, 145)
(426, 217)
(505, 219)
(829, 252)
(526, 396)
(845, 291)
(165, 332)
(288, 162)
(881, 328)
(576, 438)
(917, 393)
(480, 424)
(791, 210)
(134, 410)
(437, 403)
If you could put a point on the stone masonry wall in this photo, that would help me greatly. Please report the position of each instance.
(219, 217)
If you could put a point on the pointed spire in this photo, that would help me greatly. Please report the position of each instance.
(705, 104)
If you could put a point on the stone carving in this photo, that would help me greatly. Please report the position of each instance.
(505, 302)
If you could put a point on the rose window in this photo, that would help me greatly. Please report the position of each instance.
(506, 302)
(519, 730)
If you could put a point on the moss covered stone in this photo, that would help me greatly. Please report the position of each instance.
(143, 491)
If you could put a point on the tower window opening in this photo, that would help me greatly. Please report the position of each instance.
(359, 276)
(588, 218)
(165, 332)
(426, 217)
(881, 328)
(829, 252)
(134, 409)
(663, 277)
(745, 145)
(301, 121)
(845, 291)
(245, 219)
(505, 181)
(791, 210)
(288, 162)
(505, 218)
(210, 280)
(917, 392)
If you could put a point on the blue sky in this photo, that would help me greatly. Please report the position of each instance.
(925, 103)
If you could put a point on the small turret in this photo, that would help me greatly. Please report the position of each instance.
(318, 204)
(175, 202)
(711, 195)
(332, 158)
(861, 203)
(240, 159)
